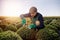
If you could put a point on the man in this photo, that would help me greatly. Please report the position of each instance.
(36, 17)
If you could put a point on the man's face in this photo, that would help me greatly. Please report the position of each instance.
(32, 12)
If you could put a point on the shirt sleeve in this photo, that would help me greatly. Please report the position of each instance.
(40, 18)
(24, 15)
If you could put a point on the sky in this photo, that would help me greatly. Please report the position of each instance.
(18, 7)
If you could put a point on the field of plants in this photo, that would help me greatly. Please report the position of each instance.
(12, 29)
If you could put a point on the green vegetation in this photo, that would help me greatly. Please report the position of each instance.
(1, 30)
(11, 27)
(9, 35)
(26, 34)
(20, 32)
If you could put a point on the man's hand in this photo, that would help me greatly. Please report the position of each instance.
(37, 23)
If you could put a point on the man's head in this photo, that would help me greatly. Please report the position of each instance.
(33, 11)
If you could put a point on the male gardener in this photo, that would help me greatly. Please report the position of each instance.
(37, 17)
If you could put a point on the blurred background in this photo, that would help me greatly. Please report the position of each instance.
(18, 7)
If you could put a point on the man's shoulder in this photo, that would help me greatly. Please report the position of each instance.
(39, 14)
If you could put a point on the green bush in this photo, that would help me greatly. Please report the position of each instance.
(27, 34)
(52, 27)
(2, 26)
(56, 25)
(10, 27)
(50, 31)
(18, 25)
(42, 35)
(46, 22)
(47, 34)
(9, 35)
(1, 30)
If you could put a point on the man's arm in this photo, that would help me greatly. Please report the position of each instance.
(40, 18)
(25, 15)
